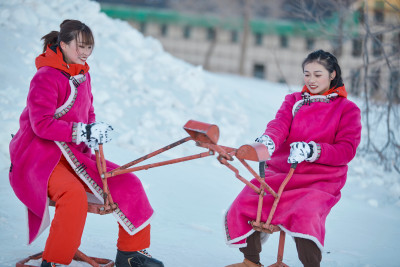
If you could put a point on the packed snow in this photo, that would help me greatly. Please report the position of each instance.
(148, 95)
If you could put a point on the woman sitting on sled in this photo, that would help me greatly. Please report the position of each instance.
(51, 156)
(320, 129)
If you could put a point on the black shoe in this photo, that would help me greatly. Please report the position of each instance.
(136, 259)
(48, 264)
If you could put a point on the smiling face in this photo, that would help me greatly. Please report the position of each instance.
(76, 51)
(317, 78)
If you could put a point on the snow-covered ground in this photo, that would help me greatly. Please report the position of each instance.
(148, 95)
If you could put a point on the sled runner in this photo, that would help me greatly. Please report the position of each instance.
(206, 136)
(79, 256)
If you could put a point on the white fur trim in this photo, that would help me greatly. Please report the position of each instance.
(91, 198)
(98, 196)
(312, 97)
(295, 106)
(44, 223)
(71, 95)
(240, 238)
(230, 243)
(46, 218)
(265, 236)
(309, 237)
(136, 229)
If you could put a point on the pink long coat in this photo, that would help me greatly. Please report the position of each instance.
(55, 103)
(334, 123)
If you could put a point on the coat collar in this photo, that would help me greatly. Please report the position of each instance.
(53, 57)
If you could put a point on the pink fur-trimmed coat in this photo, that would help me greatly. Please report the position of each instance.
(332, 122)
(54, 105)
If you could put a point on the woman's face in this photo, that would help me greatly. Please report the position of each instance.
(76, 52)
(317, 78)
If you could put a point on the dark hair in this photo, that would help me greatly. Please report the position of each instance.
(330, 63)
(69, 30)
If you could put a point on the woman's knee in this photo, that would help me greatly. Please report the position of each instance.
(74, 196)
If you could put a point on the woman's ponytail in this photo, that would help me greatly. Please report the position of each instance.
(50, 39)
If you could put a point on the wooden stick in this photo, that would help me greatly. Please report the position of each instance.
(275, 204)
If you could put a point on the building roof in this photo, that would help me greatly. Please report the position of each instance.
(280, 27)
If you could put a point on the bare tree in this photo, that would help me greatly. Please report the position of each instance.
(387, 53)
(246, 32)
(212, 37)
(322, 12)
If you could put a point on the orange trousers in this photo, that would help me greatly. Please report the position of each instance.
(69, 193)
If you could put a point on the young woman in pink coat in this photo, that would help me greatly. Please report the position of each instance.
(51, 156)
(320, 129)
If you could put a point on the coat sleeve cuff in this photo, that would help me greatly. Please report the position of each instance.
(316, 152)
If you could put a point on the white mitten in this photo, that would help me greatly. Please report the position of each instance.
(299, 152)
(267, 141)
(93, 134)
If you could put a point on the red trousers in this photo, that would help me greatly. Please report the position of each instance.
(69, 193)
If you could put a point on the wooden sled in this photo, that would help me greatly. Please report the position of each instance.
(206, 136)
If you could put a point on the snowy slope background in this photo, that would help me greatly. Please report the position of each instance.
(148, 95)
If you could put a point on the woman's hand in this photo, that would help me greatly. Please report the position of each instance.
(267, 141)
(94, 134)
(299, 152)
